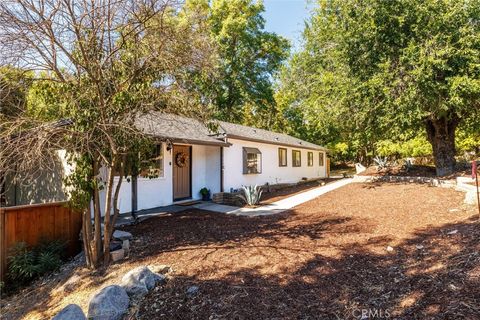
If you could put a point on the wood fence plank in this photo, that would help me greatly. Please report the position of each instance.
(2, 244)
(35, 223)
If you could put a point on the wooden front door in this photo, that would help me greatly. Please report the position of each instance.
(182, 172)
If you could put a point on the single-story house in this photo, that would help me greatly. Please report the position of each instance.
(190, 156)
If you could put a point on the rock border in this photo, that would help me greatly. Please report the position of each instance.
(113, 302)
(459, 184)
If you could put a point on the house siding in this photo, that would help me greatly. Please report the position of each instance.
(271, 172)
(158, 192)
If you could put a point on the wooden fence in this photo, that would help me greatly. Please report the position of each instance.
(35, 223)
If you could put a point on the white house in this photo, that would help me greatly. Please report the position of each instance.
(190, 156)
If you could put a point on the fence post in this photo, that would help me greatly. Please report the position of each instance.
(2, 245)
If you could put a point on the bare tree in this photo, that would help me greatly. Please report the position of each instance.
(110, 61)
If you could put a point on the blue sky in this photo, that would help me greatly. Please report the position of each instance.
(286, 17)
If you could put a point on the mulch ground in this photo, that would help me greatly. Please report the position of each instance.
(398, 251)
(327, 259)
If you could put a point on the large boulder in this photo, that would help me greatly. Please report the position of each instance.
(109, 304)
(70, 312)
(139, 281)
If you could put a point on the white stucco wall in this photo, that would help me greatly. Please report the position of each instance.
(205, 169)
(271, 171)
(158, 192)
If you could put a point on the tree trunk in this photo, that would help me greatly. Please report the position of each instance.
(441, 135)
(97, 220)
(108, 213)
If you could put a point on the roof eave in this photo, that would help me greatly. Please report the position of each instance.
(317, 148)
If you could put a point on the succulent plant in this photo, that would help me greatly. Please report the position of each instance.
(251, 194)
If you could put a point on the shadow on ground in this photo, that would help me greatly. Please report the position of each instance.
(435, 274)
(326, 259)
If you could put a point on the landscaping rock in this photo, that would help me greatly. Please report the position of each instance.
(109, 304)
(139, 281)
(359, 168)
(471, 197)
(160, 268)
(389, 249)
(115, 245)
(122, 235)
(70, 312)
(193, 290)
(117, 255)
(126, 247)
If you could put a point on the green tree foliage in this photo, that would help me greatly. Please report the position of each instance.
(248, 58)
(14, 85)
(101, 65)
(374, 69)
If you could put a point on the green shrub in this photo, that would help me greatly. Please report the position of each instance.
(417, 147)
(25, 264)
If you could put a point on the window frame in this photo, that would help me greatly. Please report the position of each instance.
(246, 152)
(309, 159)
(299, 152)
(321, 160)
(157, 163)
(280, 150)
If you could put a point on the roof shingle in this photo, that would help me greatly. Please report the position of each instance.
(188, 130)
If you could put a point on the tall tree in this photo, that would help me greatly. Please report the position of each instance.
(14, 86)
(248, 59)
(390, 68)
(102, 64)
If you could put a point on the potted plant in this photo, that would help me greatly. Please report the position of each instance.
(205, 194)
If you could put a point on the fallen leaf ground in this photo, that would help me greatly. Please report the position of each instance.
(326, 259)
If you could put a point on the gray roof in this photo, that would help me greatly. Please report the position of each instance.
(177, 129)
(187, 130)
(260, 135)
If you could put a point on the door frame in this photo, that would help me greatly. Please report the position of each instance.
(190, 173)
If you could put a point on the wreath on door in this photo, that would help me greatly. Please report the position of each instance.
(181, 159)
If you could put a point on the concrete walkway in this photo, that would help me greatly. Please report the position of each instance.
(290, 202)
(273, 208)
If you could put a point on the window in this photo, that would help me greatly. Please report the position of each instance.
(296, 158)
(282, 157)
(154, 165)
(310, 159)
(252, 161)
(320, 160)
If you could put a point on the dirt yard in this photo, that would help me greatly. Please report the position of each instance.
(399, 251)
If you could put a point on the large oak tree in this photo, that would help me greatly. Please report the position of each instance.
(372, 69)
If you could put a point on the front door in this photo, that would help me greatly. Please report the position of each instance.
(182, 179)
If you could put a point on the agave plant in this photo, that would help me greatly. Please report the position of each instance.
(382, 163)
(251, 194)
